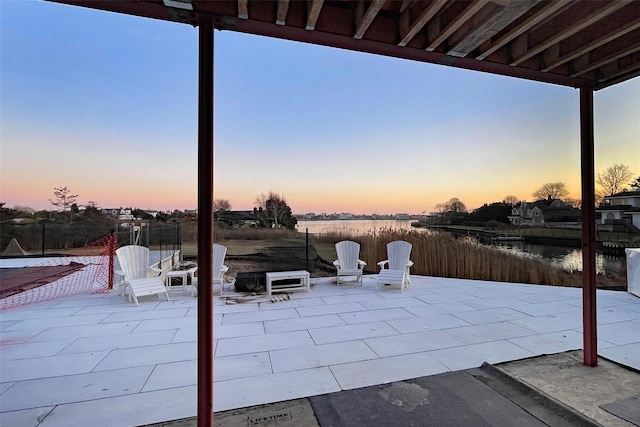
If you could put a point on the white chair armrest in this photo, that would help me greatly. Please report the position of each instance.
(155, 270)
(192, 272)
(224, 269)
(361, 263)
(410, 264)
(382, 263)
(336, 264)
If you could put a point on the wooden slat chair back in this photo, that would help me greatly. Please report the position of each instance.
(218, 269)
(398, 265)
(348, 262)
(134, 263)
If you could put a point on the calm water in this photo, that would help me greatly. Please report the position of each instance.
(566, 257)
(569, 258)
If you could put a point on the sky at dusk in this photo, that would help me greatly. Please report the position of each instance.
(106, 105)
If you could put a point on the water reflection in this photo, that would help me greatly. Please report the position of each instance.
(568, 258)
(565, 257)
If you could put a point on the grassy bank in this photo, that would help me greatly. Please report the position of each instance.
(442, 255)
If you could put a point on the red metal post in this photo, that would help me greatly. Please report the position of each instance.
(111, 247)
(205, 223)
(590, 336)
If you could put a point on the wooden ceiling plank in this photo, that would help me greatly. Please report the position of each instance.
(613, 70)
(243, 9)
(367, 19)
(571, 30)
(405, 5)
(283, 8)
(491, 26)
(594, 44)
(421, 21)
(456, 23)
(315, 6)
(607, 59)
(544, 13)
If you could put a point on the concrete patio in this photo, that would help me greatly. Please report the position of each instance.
(96, 360)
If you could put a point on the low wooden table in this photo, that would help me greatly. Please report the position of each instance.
(183, 274)
(299, 279)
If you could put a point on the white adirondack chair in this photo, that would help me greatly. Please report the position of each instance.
(218, 268)
(348, 263)
(398, 265)
(134, 263)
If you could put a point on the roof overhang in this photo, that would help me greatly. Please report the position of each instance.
(582, 44)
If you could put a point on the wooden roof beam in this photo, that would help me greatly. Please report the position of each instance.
(409, 30)
(538, 17)
(613, 70)
(405, 4)
(607, 59)
(243, 9)
(314, 6)
(456, 23)
(570, 30)
(281, 15)
(594, 44)
(364, 20)
(489, 27)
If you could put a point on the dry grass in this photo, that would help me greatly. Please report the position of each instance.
(442, 255)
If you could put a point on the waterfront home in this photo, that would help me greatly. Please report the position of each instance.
(543, 212)
(620, 211)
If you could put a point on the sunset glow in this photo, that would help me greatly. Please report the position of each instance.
(107, 106)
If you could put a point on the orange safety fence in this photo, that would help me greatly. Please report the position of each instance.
(30, 280)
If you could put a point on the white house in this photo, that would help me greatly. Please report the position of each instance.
(620, 209)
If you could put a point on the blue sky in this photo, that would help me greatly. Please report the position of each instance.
(106, 105)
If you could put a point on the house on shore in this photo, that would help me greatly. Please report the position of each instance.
(543, 212)
(620, 212)
(238, 218)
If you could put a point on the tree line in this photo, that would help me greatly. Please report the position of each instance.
(613, 180)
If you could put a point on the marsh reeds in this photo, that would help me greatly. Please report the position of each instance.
(442, 255)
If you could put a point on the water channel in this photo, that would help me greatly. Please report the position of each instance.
(566, 257)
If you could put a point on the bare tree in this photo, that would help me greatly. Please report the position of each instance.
(510, 200)
(221, 205)
(275, 209)
(455, 205)
(63, 198)
(553, 190)
(636, 184)
(614, 178)
(574, 203)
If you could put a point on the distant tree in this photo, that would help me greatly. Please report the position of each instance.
(553, 190)
(574, 203)
(221, 205)
(63, 198)
(614, 178)
(162, 217)
(455, 206)
(177, 214)
(635, 185)
(275, 210)
(510, 200)
(498, 211)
